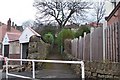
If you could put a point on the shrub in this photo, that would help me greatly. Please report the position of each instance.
(62, 35)
(81, 30)
(48, 38)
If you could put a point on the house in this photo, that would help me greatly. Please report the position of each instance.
(114, 16)
(95, 25)
(11, 44)
(24, 40)
(73, 27)
(8, 35)
(110, 5)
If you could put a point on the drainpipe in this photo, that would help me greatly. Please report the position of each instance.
(21, 53)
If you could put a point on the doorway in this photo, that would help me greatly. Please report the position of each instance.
(6, 50)
(25, 50)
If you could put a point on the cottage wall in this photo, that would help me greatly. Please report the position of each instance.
(14, 52)
(14, 47)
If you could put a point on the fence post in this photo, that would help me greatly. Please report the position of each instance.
(72, 46)
(83, 71)
(76, 47)
(6, 67)
(104, 41)
(92, 29)
(33, 64)
(84, 46)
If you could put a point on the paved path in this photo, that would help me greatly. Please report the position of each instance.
(51, 70)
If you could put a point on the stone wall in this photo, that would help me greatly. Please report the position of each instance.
(67, 46)
(102, 69)
(38, 49)
(96, 69)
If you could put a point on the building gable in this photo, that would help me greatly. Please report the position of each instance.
(5, 40)
(26, 34)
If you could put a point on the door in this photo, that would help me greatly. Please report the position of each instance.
(25, 50)
(6, 50)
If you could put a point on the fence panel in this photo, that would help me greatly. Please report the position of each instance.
(80, 49)
(112, 46)
(87, 47)
(100, 44)
(117, 41)
(91, 46)
(74, 47)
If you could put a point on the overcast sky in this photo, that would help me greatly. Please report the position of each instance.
(18, 10)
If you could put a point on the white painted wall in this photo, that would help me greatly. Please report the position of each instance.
(109, 6)
(5, 40)
(25, 36)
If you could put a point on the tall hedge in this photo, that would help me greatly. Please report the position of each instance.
(62, 35)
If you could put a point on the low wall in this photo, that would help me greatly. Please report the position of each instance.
(96, 69)
(102, 69)
(14, 56)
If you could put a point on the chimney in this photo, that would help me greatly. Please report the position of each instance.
(13, 24)
(9, 25)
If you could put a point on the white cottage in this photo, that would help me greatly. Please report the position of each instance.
(24, 41)
(11, 46)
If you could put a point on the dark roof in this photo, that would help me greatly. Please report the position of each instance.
(113, 12)
(19, 28)
(94, 24)
(72, 26)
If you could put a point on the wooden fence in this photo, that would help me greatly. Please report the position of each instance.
(112, 42)
(90, 47)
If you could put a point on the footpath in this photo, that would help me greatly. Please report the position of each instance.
(53, 70)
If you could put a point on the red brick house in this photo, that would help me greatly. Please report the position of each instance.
(114, 16)
(94, 24)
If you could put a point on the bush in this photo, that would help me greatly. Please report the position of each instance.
(81, 30)
(48, 38)
(62, 35)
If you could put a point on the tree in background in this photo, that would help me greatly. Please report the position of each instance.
(60, 11)
(81, 30)
(99, 11)
(44, 29)
(28, 23)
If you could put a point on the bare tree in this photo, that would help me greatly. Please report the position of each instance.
(99, 11)
(29, 23)
(61, 11)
